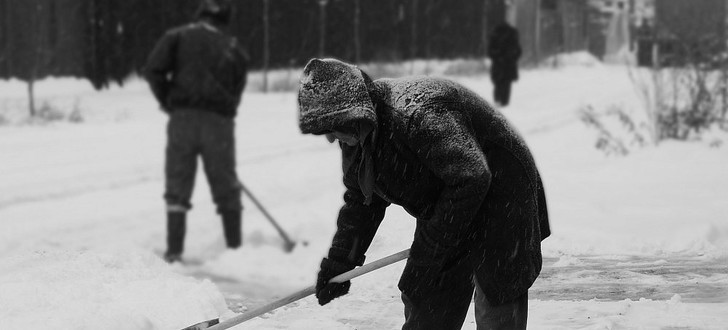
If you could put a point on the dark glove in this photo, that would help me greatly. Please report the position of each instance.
(325, 291)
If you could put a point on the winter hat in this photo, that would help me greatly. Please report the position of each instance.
(218, 10)
(333, 94)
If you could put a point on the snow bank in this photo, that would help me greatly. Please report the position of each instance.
(91, 290)
(632, 205)
(581, 58)
(51, 86)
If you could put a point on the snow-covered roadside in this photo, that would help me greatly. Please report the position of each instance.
(81, 221)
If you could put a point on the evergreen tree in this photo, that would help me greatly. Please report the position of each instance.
(105, 41)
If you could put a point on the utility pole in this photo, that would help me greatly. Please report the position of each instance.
(413, 42)
(39, 51)
(485, 27)
(537, 33)
(266, 43)
(357, 31)
(322, 26)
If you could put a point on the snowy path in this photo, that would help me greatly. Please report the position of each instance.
(627, 241)
(607, 278)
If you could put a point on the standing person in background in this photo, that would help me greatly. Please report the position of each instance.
(645, 40)
(504, 50)
(197, 73)
(452, 162)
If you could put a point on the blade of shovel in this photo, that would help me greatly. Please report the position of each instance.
(213, 325)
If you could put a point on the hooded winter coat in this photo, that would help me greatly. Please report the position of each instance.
(198, 66)
(504, 50)
(442, 153)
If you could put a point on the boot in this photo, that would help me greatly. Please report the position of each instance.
(176, 227)
(232, 228)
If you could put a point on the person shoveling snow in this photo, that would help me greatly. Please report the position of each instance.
(456, 165)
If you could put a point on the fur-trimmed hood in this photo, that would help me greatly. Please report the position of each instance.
(333, 94)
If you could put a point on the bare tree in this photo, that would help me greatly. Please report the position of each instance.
(413, 41)
(266, 43)
(322, 26)
(357, 31)
(40, 55)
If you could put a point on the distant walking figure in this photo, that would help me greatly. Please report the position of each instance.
(197, 73)
(504, 50)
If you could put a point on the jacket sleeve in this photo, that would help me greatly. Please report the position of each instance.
(492, 46)
(160, 64)
(242, 68)
(357, 223)
(516, 46)
(445, 144)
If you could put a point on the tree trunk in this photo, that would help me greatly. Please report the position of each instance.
(322, 27)
(724, 93)
(537, 34)
(31, 97)
(266, 43)
(357, 31)
(484, 30)
(413, 42)
(37, 52)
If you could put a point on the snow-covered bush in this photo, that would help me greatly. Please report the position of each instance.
(392, 70)
(286, 80)
(467, 67)
(580, 58)
(76, 116)
(279, 80)
(453, 67)
(618, 130)
(48, 113)
(683, 102)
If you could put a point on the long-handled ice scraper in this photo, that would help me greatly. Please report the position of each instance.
(214, 324)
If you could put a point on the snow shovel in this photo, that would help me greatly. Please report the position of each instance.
(214, 324)
(289, 244)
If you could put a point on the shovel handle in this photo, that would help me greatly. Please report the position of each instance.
(289, 242)
(311, 290)
(372, 266)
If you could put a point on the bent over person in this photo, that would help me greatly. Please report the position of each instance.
(197, 73)
(457, 166)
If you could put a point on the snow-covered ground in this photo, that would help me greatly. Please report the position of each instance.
(639, 241)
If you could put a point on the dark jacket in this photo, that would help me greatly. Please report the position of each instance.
(444, 155)
(504, 50)
(197, 66)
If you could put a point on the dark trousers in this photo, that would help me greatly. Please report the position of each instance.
(192, 134)
(502, 92)
(512, 315)
(446, 310)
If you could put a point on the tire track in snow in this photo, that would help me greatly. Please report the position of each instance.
(110, 180)
(610, 278)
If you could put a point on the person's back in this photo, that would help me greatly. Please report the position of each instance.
(208, 69)
(503, 44)
(504, 50)
(491, 127)
(197, 72)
